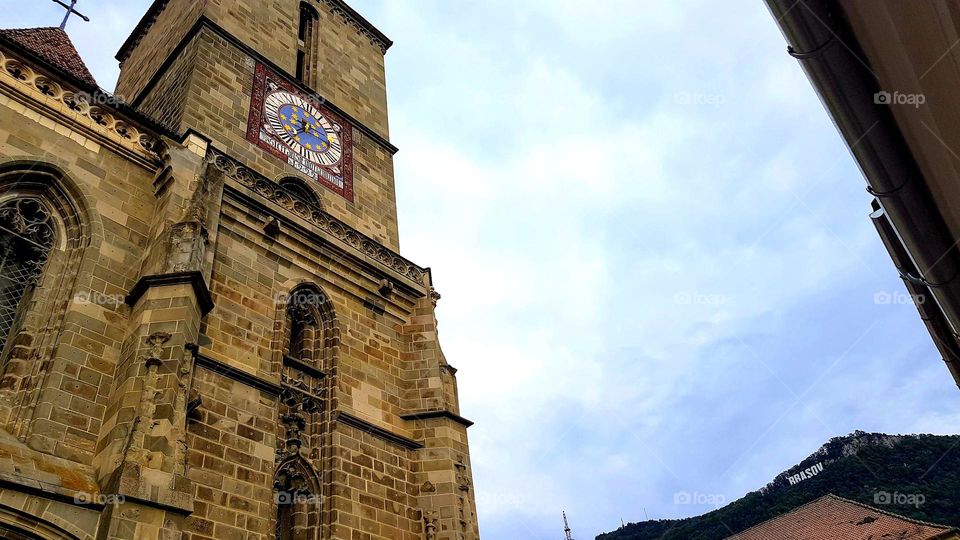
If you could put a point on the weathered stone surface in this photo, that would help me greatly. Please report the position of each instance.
(204, 355)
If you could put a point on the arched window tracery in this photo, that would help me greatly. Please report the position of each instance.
(27, 236)
(299, 190)
(308, 343)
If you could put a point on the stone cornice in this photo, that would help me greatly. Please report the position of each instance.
(429, 415)
(351, 239)
(194, 279)
(206, 361)
(363, 26)
(79, 110)
(355, 422)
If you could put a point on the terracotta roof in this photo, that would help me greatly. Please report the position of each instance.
(53, 46)
(833, 518)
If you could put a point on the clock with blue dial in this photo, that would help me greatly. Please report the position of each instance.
(303, 128)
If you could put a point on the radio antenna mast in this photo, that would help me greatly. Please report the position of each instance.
(566, 528)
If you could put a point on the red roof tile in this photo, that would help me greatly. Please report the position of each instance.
(54, 46)
(833, 518)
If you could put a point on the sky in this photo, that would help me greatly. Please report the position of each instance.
(657, 270)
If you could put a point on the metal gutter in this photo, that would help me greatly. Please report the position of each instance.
(821, 39)
(930, 314)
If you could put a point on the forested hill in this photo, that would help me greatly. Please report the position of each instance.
(918, 474)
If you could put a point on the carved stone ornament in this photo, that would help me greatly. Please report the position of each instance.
(431, 525)
(28, 219)
(156, 341)
(463, 481)
(291, 483)
(92, 110)
(301, 314)
(385, 287)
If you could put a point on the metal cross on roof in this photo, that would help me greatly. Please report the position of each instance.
(70, 11)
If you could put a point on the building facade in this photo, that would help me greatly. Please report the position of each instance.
(208, 330)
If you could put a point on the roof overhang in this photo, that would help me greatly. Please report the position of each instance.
(854, 52)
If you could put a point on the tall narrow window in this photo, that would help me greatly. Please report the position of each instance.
(308, 37)
(308, 336)
(303, 331)
(26, 237)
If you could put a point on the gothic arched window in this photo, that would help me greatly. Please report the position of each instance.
(310, 334)
(296, 493)
(26, 238)
(298, 189)
(308, 338)
(308, 43)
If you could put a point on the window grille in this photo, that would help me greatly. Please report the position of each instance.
(26, 238)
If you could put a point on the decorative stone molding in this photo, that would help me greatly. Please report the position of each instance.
(182, 409)
(302, 314)
(295, 424)
(463, 479)
(291, 482)
(156, 341)
(374, 430)
(300, 394)
(143, 422)
(355, 240)
(79, 108)
(431, 524)
(363, 27)
(187, 243)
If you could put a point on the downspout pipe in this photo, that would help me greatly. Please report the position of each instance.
(820, 38)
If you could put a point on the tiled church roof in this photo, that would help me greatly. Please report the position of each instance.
(54, 46)
(834, 518)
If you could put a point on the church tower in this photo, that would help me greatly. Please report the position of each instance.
(211, 332)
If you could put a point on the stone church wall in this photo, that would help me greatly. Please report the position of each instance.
(134, 385)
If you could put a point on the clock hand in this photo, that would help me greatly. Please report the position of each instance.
(304, 128)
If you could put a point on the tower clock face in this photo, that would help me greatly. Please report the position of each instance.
(303, 128)
(303, 131)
